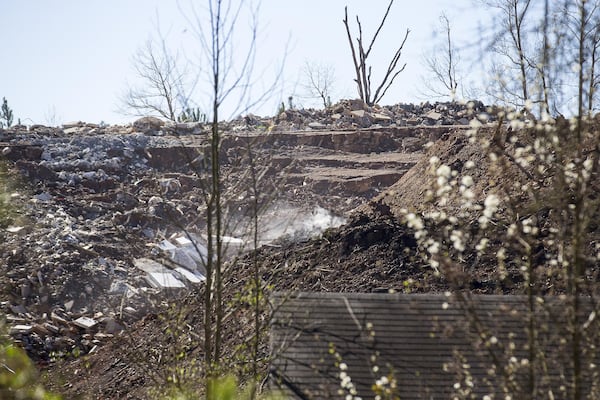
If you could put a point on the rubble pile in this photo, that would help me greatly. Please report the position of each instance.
(112, 215)
(352, 114)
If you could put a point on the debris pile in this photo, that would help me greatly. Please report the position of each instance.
(112, 216)
(355, 114)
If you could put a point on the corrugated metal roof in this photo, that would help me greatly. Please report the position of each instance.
(417, 338)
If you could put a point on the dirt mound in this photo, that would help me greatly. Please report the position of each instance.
(410, 191)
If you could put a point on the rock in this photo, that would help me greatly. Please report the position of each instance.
(317, 125)
(413, 121)
(433, 115)
(362, 118)
(73, 130)
(51, 328)
(148, 124)
(72, 124)
(358, 113)
(25, 290)
(44, 196)
(57, 319)
(18, 309)
(85, 322)
(41, 330)
(381, 117)
(69, 305)
(22, 329)
(112, 326)
(358, 104)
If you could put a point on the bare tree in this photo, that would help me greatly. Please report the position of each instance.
(510, 43)
(443, 67)
(360, 55)
(581, 23)
(229, 53)
(164, 89)
(319, 81)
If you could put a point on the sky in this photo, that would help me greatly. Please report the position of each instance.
(72, 60)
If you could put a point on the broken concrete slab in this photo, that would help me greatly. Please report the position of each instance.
(85, 322)
(164, 280)
(184, 241)
(182, 257)
(433, 115)
(188, 252)
(381, 117)
(191, 276)
(166, 245)
(147, 265)
(359, 113)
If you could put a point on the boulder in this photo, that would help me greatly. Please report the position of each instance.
(148, 124)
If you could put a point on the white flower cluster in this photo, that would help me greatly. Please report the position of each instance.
(415, 222)
(444, 173)
(456, 237)
(385, 387)
(490, 206)
(346, 383)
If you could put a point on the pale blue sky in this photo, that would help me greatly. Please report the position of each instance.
(66, 60)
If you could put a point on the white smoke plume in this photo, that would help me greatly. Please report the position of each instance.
(284, 221)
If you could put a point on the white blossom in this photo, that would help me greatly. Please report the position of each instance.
(490, 203)
(444, 170)
(413, 221)
(466, 181)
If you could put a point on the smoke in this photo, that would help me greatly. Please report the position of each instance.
(286, 222)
